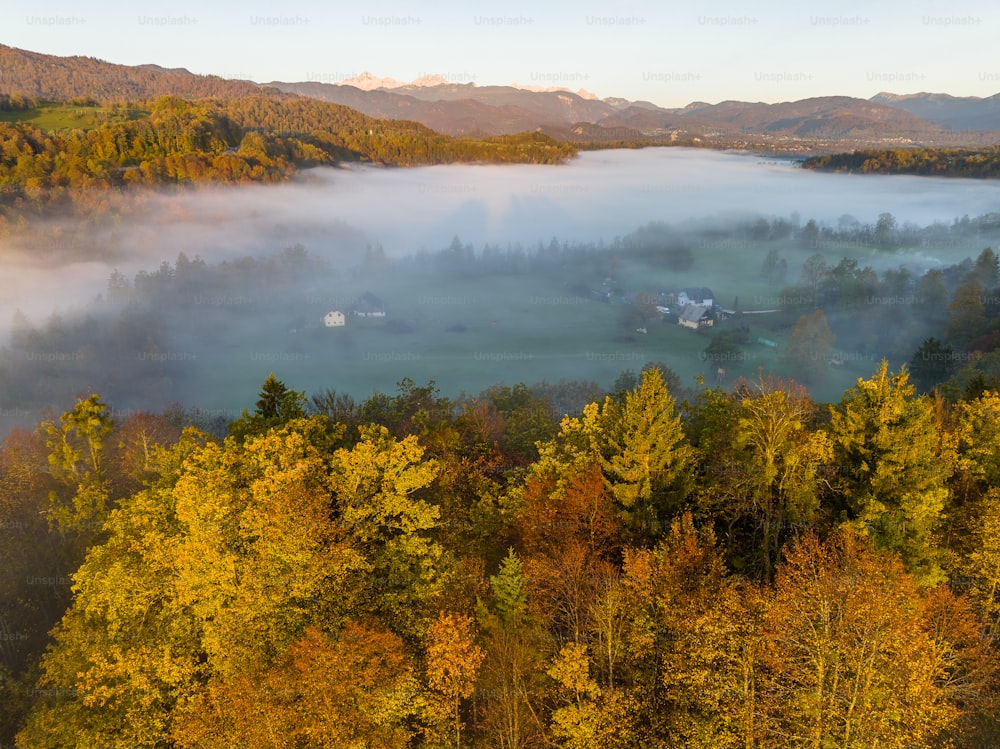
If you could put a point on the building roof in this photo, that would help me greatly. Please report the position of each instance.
(698, 292)
(693, 313)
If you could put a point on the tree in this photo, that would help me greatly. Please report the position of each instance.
(76, 459)
(376, 486)
(645, 457)
(453, 661)
(814, 270)
(774, 269)
(973, 522)
(589, 717)
(641, 310)
(510, 595)
(987, 268)
(809, 235)
(857, 655)
(691, 652)
(515, 649)
(784, 462)
(570, 532)
(895, 465)
(966, 313)
(932, 364)
(126, 651)
(638, 441)
(809, 347)
(137, 440)
(355, 688)
(885, 230)
(276, 405)
(724, 351)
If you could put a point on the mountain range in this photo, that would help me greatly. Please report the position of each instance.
(464, 108)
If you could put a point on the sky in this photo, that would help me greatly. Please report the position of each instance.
(668, 53)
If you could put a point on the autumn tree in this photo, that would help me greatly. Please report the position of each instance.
(76, 458)
(972, 526)
(514, 648)
(211, 576)
(857, 655)
(895, 462)
(773, 471)
(357, 687)
(30, 553)
(639, 443)
(453, 660)
(588, 717)
(376, 488)
(691, 654)
(127, 650)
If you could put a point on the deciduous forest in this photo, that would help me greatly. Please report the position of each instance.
(744, 568)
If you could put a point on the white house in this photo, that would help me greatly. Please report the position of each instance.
(333, 319)
(695, 295)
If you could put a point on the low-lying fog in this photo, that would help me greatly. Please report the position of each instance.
(599, 195)
(336, 213)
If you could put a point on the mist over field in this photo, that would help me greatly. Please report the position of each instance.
(597, 196)
(212, 346)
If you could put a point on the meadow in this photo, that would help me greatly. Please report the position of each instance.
(64, 116)
(466, 334)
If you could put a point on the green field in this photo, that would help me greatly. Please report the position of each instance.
(68, 116)
(211, 341)
(468, 334)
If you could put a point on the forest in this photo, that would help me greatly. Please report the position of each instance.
(171, 141)
(745, 567)
(980, 163)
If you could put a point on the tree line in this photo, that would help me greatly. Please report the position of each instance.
(935, 162)
(744, 568)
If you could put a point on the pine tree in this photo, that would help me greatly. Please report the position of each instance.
(895, 465)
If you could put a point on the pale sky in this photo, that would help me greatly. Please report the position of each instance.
(670, 54)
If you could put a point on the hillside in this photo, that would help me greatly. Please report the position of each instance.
(62, 78)
(172, 141)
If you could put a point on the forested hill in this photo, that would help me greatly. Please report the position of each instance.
(41, 76)
(251, 138)
(936, 162)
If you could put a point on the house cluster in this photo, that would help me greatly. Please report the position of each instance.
(695, 308)
(367, 305)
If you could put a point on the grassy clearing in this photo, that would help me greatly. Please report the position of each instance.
(67, 116)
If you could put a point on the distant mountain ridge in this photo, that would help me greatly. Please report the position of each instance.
(955, 112)
(461, 109)
(817, 124)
